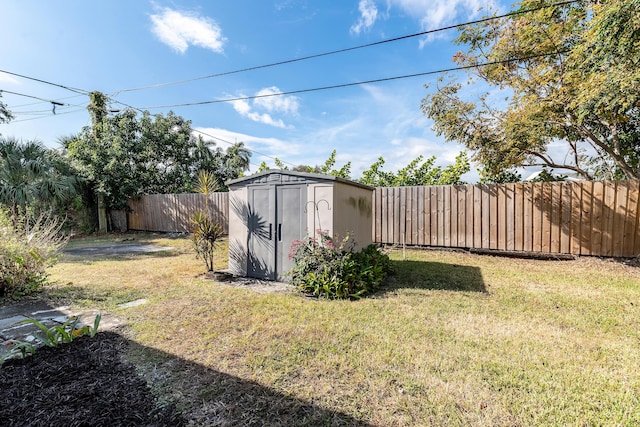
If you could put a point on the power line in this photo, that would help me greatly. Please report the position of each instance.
(76, 90)
(248, 149)
(333, 52)
(343, 85)
(33, 97)
(37, 103)
(50, 115)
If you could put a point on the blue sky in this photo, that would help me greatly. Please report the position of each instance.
(112, 46)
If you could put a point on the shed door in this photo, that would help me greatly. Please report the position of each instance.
(261, 238)
(291, 223)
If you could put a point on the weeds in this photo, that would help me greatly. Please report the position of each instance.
(52, 336)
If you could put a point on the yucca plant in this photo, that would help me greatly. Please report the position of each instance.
(205, 232)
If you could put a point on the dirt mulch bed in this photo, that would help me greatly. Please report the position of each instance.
(83, 383)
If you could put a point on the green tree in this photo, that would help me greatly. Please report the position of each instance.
(32, 175)
(124, 156)
(417, 172)
(5, 114)
(570, 74)
(327, 168)
(224, 165)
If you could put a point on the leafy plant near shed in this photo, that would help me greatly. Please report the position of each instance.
(336, 272)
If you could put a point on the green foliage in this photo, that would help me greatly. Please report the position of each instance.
(503, 176)
(546, 176)
(32, 175)
(205, 234)
(327, 168)
(325, 270)
(569, 74)
(224, 165)
(28, 246)
(5, 114)
(52, 336)
(417, 172)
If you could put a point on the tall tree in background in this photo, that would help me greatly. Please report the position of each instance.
(223, 165)
(5, 114)
(570, 74)
(32, 175)
(417, 172)
(125, 157)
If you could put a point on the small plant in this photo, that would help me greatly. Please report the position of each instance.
(205, 235)
(325, 270)
(28, 245)
(205, 232)
(52, 336)
(17, 348)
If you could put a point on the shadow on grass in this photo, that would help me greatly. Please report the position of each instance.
(100, 387)
(116, 252)
(435, 276)
(209, 397)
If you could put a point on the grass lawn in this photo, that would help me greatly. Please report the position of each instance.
(453, 339)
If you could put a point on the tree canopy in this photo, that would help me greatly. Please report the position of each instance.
(569, 76)
(417, 172)
(32, 175)
(125, 156)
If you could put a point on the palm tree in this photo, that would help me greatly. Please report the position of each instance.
(33, 175)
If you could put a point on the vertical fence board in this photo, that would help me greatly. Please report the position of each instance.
(597, 218)
(608, 218)
(556, 216)
(622, 201)
(454, 216)
(462, 217)
(527, 226)
(510, 216)
(518, 217)
(414, 215)
(434, 216)
(446, 215)
(501, 194)
(421, 216)
(474, 219)
(631, 218)
(565, 229)
(402, 206)
(483, 210)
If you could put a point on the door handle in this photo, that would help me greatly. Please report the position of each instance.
(270, 230)
(280, 232)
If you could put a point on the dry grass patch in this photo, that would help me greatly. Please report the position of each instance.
(454, 339)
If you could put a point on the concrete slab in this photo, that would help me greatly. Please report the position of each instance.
(118, 249)
(8, 322)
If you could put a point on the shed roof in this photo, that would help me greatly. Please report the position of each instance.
(263, 177)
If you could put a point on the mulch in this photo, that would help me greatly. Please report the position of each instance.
(84, 383)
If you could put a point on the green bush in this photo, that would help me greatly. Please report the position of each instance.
(325, 270)
(205, 234)
(27, 247)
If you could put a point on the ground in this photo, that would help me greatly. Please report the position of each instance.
(85, 382)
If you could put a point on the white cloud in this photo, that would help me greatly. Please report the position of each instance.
(281, 104)
(368, 16)
(263, 109)
(179, 30)
(6, 78)
(266, 146)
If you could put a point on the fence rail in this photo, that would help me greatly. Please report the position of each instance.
(172, 212)
(583, 218)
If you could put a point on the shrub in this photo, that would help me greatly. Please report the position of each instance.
(205, 236)
(325, 270)
(28, 246)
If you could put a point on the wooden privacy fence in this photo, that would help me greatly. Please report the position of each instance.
(172, 212)
(583, 218)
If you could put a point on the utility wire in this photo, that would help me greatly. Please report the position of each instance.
(248, 149)
(333, 52)
(76, 90)
(34, 97)
(343, 85)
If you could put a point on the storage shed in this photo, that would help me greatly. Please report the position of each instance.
(270, 210)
